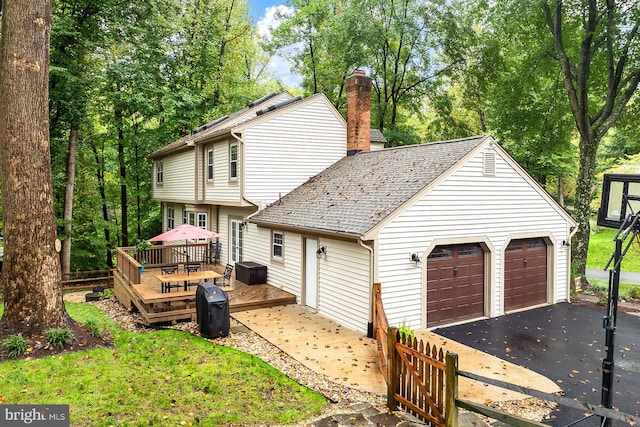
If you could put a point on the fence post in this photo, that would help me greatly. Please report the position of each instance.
(392, 370)
(376, 295)
(451, 390)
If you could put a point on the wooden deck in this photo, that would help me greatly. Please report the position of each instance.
(156, 307)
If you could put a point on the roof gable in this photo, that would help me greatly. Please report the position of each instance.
(225, 122)
(358, 192)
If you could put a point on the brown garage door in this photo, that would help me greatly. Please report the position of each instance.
(455, 284)
(525, 276)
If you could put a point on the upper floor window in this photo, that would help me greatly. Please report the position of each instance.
(209, 165)
(171, 215)
(159, 172)
(233, 161)
(277, 245)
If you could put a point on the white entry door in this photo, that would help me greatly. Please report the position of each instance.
(311, 274)
(235, 249)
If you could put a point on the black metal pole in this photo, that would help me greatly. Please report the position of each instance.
(609, 324)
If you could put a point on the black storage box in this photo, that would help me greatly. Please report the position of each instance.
(251, 273)
(212, 311)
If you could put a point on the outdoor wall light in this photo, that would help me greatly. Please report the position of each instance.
(321, 252)
(243, 225)
(416, 258)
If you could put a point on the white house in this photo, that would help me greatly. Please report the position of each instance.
(453, 230)
(228, 169)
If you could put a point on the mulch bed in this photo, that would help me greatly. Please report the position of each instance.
(37, 345)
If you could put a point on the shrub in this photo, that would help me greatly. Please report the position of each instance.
(15, 345)
(106, 294)
(58, 337)
(634, 292)
(94, 328)
(596, 288)
(603, 299)
(406, 334)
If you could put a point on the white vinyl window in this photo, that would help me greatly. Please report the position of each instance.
(202, 222)
(277, 246)
(159, 173)
(171, 221)
(233, 161)
(209, 165)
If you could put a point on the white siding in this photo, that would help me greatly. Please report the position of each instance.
(179, 178)
(221, 189)
(467, 206)
(343, 275)
(344, 285)
(286, 274)
(285, 151)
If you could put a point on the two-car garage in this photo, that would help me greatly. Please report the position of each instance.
(456, 284)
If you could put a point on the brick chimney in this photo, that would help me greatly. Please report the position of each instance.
(358, 88)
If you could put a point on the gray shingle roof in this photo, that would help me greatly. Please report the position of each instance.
(377, 136)
(357, 192)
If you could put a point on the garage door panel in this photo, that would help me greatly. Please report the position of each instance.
(455, 284)
(525, 283)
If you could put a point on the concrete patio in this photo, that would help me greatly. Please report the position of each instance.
(350, 358)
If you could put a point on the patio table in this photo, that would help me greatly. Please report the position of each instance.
(187, 278)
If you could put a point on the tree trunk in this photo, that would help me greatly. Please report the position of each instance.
(561, 191)
(582, 209)
(31, 269)
(65, 256)
(123, 180)
(103, 198)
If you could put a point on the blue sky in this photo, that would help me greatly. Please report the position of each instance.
(263, 13)
(257, 8)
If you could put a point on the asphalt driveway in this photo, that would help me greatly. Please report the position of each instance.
(564, 342)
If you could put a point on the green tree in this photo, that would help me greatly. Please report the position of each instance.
(601, 72)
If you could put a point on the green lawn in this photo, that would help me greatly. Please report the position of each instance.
(158, 378)
(602, 245)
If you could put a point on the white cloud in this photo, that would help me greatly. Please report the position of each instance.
(278, 65)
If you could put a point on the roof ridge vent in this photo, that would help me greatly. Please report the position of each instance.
(273, 107)
(210, 124)
(261, 100)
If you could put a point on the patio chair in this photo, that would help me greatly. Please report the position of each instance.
(169, 269)
(226, 278)
(192, 268)
(214, 252)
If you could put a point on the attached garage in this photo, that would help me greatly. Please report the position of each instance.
(455, 284)
(431, 224)
(525, 275)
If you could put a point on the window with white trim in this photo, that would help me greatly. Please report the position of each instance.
(202, 222)
(209, 165)
(159, 172)
(171, 221)
(277, 239)
(233, 161)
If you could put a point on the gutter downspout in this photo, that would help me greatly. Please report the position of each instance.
(569, 261)
(240, 140)
(370, 285)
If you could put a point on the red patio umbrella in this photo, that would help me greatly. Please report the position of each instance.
(185, 232)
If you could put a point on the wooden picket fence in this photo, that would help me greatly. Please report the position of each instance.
(414, 371)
